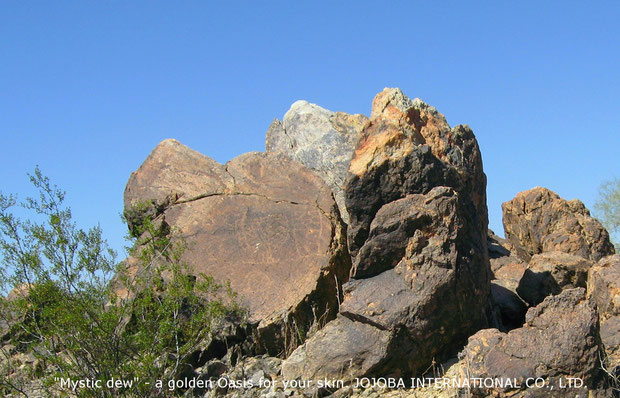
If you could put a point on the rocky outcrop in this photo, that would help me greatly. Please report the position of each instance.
(424, 274)
(418, 297)
(321, 140)
(538, 221)
(262, 222)
(407, 147)
(416, 197)
(559, 340)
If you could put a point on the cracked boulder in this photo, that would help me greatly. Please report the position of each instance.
(262, 222)
(321, 140)
(420, 292)
(538, 221)
(559, 340)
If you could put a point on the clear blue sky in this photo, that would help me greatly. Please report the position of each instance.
(88, 88)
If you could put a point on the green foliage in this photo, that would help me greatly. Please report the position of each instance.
(81, 316)
(608, 207)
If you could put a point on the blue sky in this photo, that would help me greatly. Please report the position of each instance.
(88, 88)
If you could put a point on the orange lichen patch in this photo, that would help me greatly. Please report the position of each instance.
(376, 148)
(436, 133)
(393, 115)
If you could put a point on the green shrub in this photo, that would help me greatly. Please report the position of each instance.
(82, 317)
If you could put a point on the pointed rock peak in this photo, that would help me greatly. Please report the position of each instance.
(537, 194)
(302, 107)
(171, 150)
(392, 103)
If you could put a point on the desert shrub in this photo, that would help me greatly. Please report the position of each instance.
(607, 208)
(79, 316)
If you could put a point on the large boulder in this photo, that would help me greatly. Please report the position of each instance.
(345, 349)
(321, 140)
(559, 340)
(407, 147)
(262, 221)
(538, 221)
(418, 295)
(415, 194)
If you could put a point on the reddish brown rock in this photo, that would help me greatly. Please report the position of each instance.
(263, 222)
(538, 221)
(558, 340)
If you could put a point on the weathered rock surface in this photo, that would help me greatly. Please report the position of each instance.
(507, 270)
(538, 221)
(424, 295)
(604, 289)
(321, 140)
(604, 286)
(418, 227)
(344, 349)
(548, 273)
(262, 221)
(559, 340)
(407, 147)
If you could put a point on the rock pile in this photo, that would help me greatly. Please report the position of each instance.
(360, 247)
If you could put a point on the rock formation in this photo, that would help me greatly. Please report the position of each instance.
(359, 247)
(416, 197)
(262, 222)
(367, 238)
(538, 221)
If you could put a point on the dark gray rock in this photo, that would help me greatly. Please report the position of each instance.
(511, 307)
(425, 295)
(344, 349)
